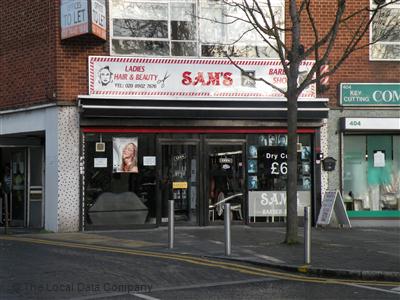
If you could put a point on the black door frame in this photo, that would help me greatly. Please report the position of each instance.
(163, 141)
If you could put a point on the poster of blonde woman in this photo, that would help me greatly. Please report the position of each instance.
(125, 155)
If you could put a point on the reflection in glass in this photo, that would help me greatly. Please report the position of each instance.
(222, 33)
(181, 30)
(183, 21)
(220, 30)
(139, 10)
(372, 187)
(118, 199)
(140, 28)
(383, 24)
(183, 49)
(226, 180)
(214, 50)
(130, 47)
(385, 51)
(385, 35)
(179, 181)
(211, 27)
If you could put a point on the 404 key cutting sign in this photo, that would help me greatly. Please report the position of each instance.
(273, 160)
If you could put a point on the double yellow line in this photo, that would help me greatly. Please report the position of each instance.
(256, 271)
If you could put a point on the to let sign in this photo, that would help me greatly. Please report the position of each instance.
(74, 18)
(79, 17)
(370, 94)
(99, 20)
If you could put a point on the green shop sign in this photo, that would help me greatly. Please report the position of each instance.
(370, 94)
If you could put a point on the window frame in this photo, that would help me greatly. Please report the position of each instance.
(197, 41)
(371, 46)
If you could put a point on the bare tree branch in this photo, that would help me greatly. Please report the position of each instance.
(256, 78)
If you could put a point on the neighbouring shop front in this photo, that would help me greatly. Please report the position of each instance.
(371, 167)
(143, 146)
(370, 138)
(39, 168)
(21, 198)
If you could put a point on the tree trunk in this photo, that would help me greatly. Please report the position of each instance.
(292, 95)
(291, 190)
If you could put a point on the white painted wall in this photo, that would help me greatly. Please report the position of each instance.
(51, 170)
(68, 169)
(61, 190)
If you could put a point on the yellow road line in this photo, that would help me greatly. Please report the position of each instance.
(201, 261)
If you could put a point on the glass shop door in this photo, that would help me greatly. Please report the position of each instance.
(17, 191)
(226, 181)
(179, 174)
(21, 173)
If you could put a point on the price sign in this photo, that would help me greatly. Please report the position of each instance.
(273, 160)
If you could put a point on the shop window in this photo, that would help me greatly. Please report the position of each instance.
(267, 175)
(372, 172)
(120, 180)
(140, 28)
(188, 28)
(384, 33)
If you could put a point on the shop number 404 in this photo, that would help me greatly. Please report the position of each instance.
(355, 123)
(277, 169)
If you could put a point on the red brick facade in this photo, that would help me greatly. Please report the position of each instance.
(358, 67)
(37, 67)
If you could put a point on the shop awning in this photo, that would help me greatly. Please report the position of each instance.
(204, 108)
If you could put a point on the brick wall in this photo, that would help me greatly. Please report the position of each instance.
(357, 68)
(26, 66)
(37, 67)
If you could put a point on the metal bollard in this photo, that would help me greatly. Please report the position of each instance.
(171, 225)
(227, 221)
(307, 235)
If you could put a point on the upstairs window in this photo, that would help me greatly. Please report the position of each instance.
(196, 28)
(385, 33)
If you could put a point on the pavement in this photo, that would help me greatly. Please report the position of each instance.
(356, 253)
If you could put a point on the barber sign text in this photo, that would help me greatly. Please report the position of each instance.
(181, 77)
(273, 203)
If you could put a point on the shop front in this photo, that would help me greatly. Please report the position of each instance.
(199, 168)
(144, 144)
(21, 198)
(371, 168)
(369, 148)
